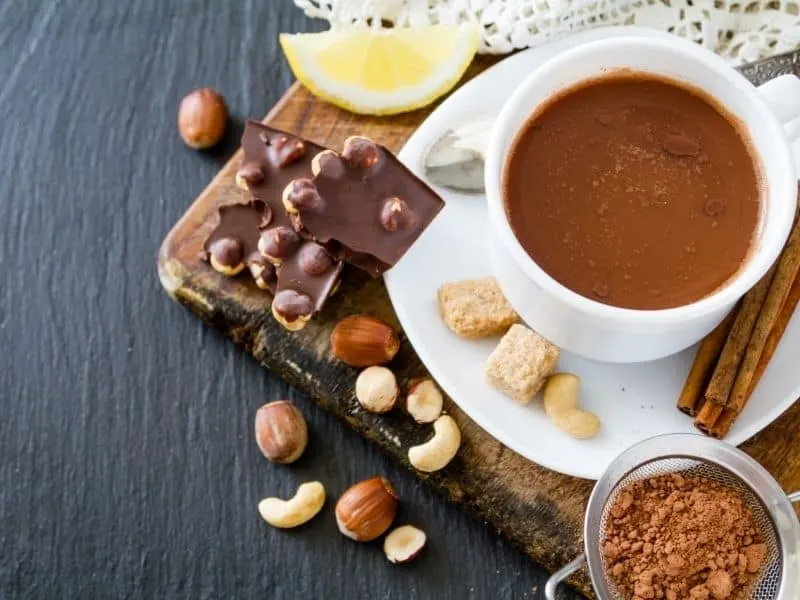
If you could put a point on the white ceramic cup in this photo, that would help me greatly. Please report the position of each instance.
(607, 333)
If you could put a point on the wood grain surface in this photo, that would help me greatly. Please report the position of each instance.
(127, 463)
(536, 509)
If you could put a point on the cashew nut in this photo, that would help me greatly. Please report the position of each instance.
(438, 451)
(561, 406)
(299, 509)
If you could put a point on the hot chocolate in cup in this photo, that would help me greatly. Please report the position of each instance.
(592, 325)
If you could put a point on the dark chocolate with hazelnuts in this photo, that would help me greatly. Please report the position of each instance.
(233, 243)
(363, 205)
(303, 273)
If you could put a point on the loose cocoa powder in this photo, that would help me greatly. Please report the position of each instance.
(676, 537)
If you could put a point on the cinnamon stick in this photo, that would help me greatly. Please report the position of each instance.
(785, 275)
(776, 334)
(719, 387)
(707, 417)
(703, 366)
(715, 421)
(722, 425)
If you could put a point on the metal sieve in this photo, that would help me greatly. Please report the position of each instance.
(690, 454)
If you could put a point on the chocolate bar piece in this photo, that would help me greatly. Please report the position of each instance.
(306, 273)
(233, 245)
(300, 273)
(364, 206)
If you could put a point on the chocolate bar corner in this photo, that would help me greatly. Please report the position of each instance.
(364, 205)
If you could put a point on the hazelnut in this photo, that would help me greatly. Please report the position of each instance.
(301, 194)
(376, 389)
(286, 151)
(249, 173)
(281, 431)
(202, 118)
(263, 274)
(424, 401)
(278, 243)
(292, 309)
(364, 341)
(314, 260)
(361, 152)
(226, 255)
(404, 544)
(327, 163)
(396, 214)
(367, 509)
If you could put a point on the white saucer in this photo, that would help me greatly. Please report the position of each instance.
(634, 402)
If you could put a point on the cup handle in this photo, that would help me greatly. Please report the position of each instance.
(559, 576)
(782, 95)
(794, 498)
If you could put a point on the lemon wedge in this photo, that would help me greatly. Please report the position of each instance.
(382, 72)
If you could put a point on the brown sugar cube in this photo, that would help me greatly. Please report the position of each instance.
(475, 308)
(521, 363)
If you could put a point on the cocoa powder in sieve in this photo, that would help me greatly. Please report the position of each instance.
(676, 537)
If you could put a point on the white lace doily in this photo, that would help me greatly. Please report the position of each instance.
(742, 31)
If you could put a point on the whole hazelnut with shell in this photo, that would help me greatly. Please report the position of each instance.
(364, 341)
(281, 431)
(366, 510)
(202, 118)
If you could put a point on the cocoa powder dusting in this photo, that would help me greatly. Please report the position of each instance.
(676, 537)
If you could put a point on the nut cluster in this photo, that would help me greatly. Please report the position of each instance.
(364, 340)
(366, 510)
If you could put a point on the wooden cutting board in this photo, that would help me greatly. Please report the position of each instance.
(538, 510)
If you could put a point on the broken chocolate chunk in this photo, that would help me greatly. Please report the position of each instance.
(284, 158)
(236, 234)
(367, 213)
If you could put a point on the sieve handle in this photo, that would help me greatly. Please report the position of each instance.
(794, 497)
(561, 575)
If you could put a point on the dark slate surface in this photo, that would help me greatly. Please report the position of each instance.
(127, 465)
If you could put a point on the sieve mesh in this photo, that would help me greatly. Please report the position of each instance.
(767, 584)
